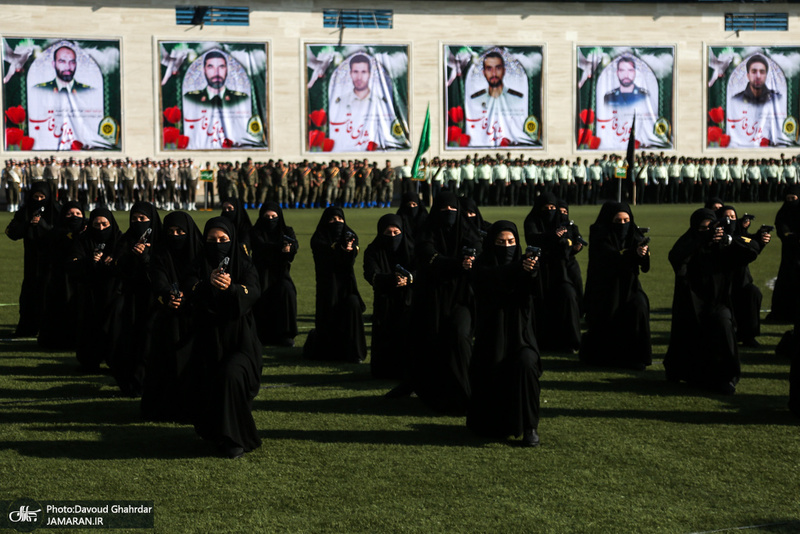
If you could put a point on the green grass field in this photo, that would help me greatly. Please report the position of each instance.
(621, 451)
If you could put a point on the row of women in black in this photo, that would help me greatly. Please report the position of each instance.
(171, 310)
(448, 297)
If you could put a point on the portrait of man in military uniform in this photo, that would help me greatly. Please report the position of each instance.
(216, 114)
(65, 63)
(361, 111)
(757, 111)
(628, 87)
(65, 95)
(496, 110)
(627, 93)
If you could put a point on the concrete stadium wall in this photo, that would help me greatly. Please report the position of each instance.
(426, 27)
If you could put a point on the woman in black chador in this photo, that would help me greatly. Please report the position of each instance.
(339, 322)
(226, 345)
(617, 310)
(274, 248)
(135, 304)
(505, 366)
(444, 307)
(169, 370)
(745, 295)
(391, 312)
(413, 213)
(33, 224)
(92, 264)
(59, 321)
(233, 209)
(556, 304)
(702, 342)
(785, 307)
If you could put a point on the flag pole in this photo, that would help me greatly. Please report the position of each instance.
(629, 157)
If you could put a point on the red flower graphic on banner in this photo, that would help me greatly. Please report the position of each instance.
(636, 144)
(372, 146)
(173, 114)
(171, 135)
(717, 115)
(505, 142)
(315, 138)
(327, 145)
(26, 143)
(764, 141)
(456, 114)
(714, 133)
(16, 114)
(77, 145)
(183, 141)
(584, 136)
(463, 140)
(594, 142)
(318, 117)
(227, 143)
(724, 140)
(587, 116)
(453, 133)
(13, 136)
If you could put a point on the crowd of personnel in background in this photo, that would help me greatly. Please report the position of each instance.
(501, 180)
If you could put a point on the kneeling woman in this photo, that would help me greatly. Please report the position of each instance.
(617, 310)
(505, 368)
(226, 345)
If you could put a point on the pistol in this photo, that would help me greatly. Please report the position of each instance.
(644, 229)
(288, 240)
(402, 271)
(644, 242)
(533, 252)
(349, 236)
(748, 217)
(99, 248)
(174, 290)
(223, 265)
(145, 236)
(765, 229)
(468, 252)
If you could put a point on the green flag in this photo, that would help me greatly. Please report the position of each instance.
(424, 143)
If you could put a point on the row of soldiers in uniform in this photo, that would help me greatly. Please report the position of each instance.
(490, 180)
(656, 179)
(118, 184)
(675, 179)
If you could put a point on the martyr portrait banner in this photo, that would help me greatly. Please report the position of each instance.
(61, 94)
(753, 96)
(213, 95)
(493, 96)
(616, 83)
(357, 98)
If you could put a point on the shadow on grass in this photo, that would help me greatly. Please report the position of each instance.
(419, 434)
(115, 443)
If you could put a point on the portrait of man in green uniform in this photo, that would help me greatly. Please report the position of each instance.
(216, 115)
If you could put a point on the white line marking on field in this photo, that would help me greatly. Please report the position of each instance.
(9, 304)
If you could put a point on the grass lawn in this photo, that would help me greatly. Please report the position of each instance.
(622, 451)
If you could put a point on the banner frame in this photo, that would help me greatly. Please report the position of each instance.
(303, 101)
(158, 148)
(441, 130)
(122, 118)
(675, 95)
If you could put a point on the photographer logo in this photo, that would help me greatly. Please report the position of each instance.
(24, 514)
